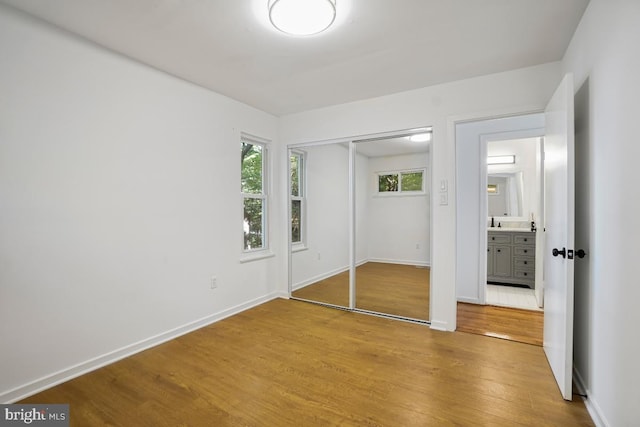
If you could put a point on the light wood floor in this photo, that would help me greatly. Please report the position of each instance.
(401, 290)
(291, 363)
(513, 324)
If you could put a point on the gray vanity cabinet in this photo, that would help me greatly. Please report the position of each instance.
(511, 257)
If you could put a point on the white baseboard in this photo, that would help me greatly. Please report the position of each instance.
(71, 372)
(592, 406)
(400, 261)
(319, 277)
(469, 300)
(439, 325)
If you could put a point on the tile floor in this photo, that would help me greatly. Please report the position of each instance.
(511, 296)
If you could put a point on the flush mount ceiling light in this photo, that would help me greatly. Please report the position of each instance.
(420, 137)
(302, 17)
(501, 160)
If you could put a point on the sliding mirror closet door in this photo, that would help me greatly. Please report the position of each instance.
(392, 207)
(319, 219)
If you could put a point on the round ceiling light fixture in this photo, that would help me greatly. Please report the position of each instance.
(302, 17)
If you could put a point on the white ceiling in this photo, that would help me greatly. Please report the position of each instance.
(375, 48)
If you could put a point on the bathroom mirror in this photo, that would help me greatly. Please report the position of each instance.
(319, 218)
(505, 194)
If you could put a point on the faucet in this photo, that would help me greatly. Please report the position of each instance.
(492, 223)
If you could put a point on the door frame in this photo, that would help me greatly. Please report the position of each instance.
(515, 125)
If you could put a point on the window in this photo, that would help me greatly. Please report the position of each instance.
(254, 194)
(297, 170)
(409, 181)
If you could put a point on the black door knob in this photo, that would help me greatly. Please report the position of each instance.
(580, 253)
(556, 252)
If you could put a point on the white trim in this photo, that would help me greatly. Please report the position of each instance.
(399, 261)
(87, 366)
(592, 407)
(256, 255)
(400, 192)
(440, 326)
(471, 300)
(311, 280)
(265, 196)
(314, 279)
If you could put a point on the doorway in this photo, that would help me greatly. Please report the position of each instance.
(496, 253)
(514, 203)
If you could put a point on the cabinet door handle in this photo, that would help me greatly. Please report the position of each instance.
(499, 250)
(525, 251)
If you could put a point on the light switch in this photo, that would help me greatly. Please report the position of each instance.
(444, 199)
(443, 185)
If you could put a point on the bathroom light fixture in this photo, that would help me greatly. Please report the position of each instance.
(302, 17)
(501, 160)
(420, 137)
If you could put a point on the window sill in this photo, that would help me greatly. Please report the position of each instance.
(400, 194)
(255, 256)
(298, 248)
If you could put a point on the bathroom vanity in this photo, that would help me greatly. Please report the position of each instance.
(511, 256)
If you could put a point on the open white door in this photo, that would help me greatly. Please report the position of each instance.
(559, 201)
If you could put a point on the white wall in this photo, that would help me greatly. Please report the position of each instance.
(118, 204)
(398, 226)
(439, 106)
(605, 60)
(327, 216)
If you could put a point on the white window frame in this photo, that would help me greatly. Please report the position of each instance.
(302, 197)
(264, 251)
(400, 192)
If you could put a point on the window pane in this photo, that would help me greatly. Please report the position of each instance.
(296, 217)
(412, 181)
(295, 175)
(253, 214)
(251, 168)
(388, 183)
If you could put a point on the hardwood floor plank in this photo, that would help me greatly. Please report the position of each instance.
(513, 324)
(397, 289)
(290, 363)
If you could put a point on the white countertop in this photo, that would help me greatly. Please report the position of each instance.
(519, 230)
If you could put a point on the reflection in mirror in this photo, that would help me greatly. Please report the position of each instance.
(392, 226)
(511, 185)
(319, 204)
(504, 191)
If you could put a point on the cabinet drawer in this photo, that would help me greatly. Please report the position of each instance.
(523, 274)
(524, 263)
(499, 238)
(523, 239)
(523, 251)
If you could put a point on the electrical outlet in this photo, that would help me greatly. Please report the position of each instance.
(214, 282)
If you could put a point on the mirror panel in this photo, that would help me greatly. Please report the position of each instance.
(392, 214)
(319, 204)
(504, 192)
(511, 186)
